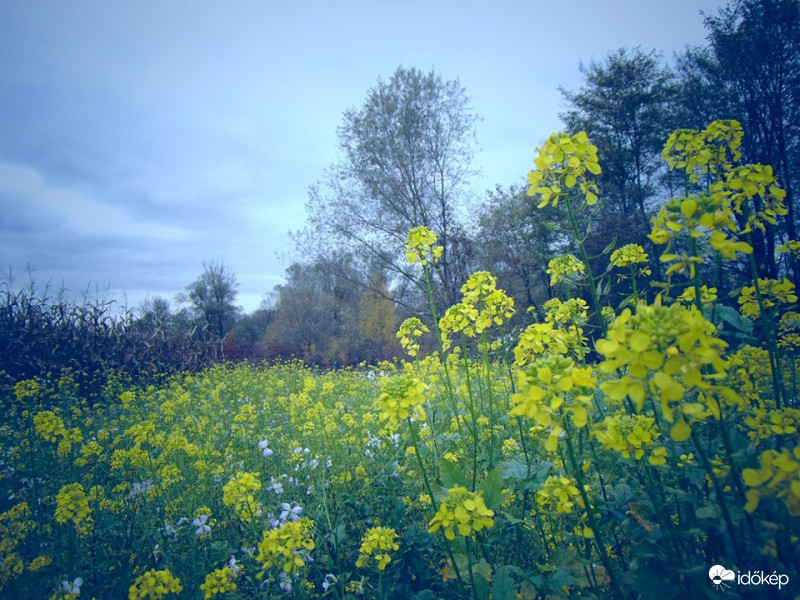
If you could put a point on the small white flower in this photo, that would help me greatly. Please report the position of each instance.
(292, 513)
(330, 579)
(202, 527)
(74, 587)
(232, 565)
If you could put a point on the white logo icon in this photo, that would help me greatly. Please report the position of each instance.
(719, 575)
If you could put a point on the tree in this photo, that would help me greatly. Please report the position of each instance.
(212, 296)
(516, 243)
(405, 159)
(623, 107)
(316, 315)
(751, 72)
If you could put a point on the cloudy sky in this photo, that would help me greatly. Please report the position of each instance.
(139, 139)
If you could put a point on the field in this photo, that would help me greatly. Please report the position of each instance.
(538, 465)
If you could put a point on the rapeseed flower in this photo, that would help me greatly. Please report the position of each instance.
(72, 505)
(462, 512)
(238, 492)
(778, 475)
(420, 246)
(563, 163)
(401, 397)
(286, 546)
(377, 542)
(154, 585)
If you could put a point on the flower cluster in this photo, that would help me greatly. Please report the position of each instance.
(773, 292)
(72, 505)
(154, 585)
(287, 545)
(378, 542)
(560, 493)
(564, 268)
(765, 424)
(629, 254)
(238, 492)
(707, 295)
(420, 246)
(409, 334)
(563, 163)
(778, 476)
(463, 512)
(632, 435)
(539, 339)
(402, 397)
(482, 306)
(550, 388)
(706, 152)
(219, 581)
(672, 352)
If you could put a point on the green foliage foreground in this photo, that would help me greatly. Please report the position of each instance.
(538, 467)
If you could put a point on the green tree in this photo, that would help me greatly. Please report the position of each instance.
(406, 156)
(750, 71)
(624, 108)
(516, 242)
(212, 298)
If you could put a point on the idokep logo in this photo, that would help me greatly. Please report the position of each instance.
(720, 576)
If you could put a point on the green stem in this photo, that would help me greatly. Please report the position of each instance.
(598, 536)
(585, 259)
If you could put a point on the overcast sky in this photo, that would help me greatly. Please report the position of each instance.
(139, 139)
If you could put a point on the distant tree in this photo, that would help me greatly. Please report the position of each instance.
(378, 321)
(212, 298)
(515, 243)
(406, 155)
(624, 108)
(750, 71)
(316, 314)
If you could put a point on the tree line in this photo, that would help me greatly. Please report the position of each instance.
(407, 158)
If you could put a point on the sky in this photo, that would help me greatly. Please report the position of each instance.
(139, 140)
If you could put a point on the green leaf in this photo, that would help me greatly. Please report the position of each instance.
(451, 475)
(492, 488)
(503, 585)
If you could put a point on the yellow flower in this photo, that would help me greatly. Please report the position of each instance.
(778, 476)
(463, 512)
(563, 163)
(773, 292)
(632, 435)
(380, 542)
(154, 585)
(420, 246)
(629, 254)
(409, 334)
(564, 268)
(559, 493)
(219, 581)
(551, 388)
(238, 492)
(72, 505)
(286, 546)
(670, 351)
(402, 397)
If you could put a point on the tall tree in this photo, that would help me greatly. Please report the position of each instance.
(213, 299)
(516, 243)
(623, 107)
(405, 159)
(750, 71)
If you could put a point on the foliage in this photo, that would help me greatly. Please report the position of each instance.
(406, 156)
(547, 466)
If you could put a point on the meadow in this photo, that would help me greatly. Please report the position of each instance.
(604, 451)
